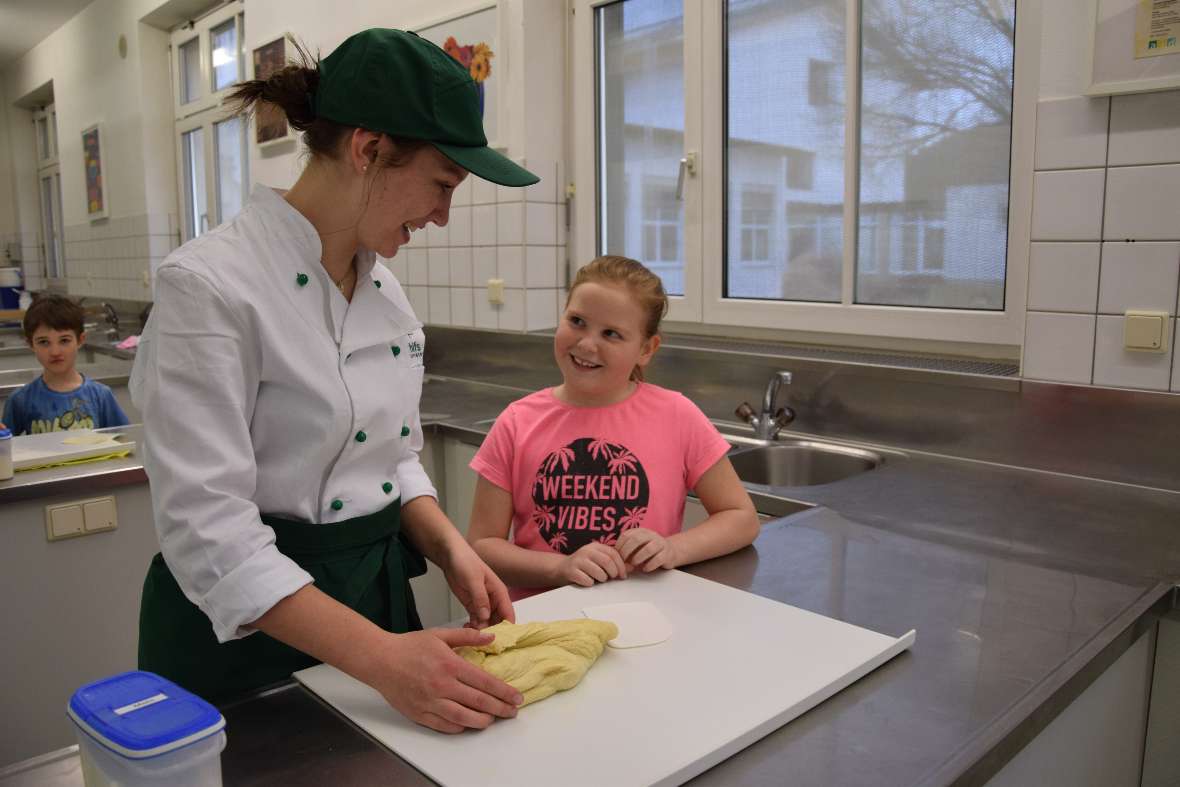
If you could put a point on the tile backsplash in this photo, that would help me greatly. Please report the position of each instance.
(114, 258)
(1105, 239)
(493, 232)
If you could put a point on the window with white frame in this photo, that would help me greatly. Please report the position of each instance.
(881, 135)
(212, 162)
(661, 232)
(49, 193)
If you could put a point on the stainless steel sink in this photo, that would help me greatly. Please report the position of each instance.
(802, 463)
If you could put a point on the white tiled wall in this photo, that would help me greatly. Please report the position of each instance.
(115, 258)
(493, 232)
(1105, 238)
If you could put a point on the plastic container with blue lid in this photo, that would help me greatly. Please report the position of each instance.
(5, 454)
(137, 728)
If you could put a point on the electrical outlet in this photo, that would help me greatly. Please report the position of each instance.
(80, 518)
(1145, 331)
(496, 291)
(64, 521)
(100, 514)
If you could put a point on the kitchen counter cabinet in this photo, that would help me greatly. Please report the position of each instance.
(1026, 588)
(70, 612)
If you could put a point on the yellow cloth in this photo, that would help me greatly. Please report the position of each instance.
(70, 462)
(540, 659)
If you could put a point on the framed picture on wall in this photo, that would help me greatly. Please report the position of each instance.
(97, 197)
(1135, 47)
(270, 124)
(472, 37)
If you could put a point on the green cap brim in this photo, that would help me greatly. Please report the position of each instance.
(488, 164)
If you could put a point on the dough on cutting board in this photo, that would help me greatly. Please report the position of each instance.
(540, 659)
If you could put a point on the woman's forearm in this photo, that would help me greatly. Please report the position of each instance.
(313, 622)
(517, 566)
(429, 530)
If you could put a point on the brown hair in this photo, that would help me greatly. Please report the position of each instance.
(291, 89)
(639, 282)
(56, 312)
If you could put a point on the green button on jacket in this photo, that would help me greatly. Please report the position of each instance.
(387, 487)
(337, 505)
(396, 350)
(405, 431)
(301, 279)
(361, 437)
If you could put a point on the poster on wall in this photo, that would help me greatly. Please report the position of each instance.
(1135, 47)
(471, 38)
(270, 124)
(96, 195)
(1157, 28)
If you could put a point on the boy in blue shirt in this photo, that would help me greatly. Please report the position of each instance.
(61, 398)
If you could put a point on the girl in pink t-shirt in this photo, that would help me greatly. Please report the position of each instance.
(590, 477)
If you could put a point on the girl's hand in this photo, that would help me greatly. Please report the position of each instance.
(426, 681)
(595, 562)
(477, 587)
(646, 550)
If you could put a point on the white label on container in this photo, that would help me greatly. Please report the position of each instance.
(142, 703)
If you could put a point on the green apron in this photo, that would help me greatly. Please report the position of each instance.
(364, 563)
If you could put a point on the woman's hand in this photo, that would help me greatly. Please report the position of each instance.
(646, 550)
(594, 562)
(428, 683)
(477, 587)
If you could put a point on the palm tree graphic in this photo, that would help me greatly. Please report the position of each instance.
(633, 517)
(603, 447)
(622, 463)
(562, 456)
(542, 517)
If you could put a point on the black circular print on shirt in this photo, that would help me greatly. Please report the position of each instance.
(589, 490)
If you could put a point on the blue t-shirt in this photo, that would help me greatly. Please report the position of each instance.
(36, 408)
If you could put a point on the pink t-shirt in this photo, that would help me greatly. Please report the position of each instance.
(582, 474)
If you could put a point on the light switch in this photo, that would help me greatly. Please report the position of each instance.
(496, 291)
(63, 521)
(1145, 331)
(99, 514)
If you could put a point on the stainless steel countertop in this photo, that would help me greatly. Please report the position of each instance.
(997, 639)
(80, 479)
(1023, 587)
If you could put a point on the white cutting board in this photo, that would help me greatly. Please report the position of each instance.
(736, 667)
(35, 450)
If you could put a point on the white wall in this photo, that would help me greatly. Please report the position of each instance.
(91, 83)
(1106, 219)
(131, 97)
(8, 224)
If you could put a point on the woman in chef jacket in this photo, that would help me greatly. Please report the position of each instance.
(279, 379)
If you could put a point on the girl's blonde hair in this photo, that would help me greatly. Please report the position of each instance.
(639, 282)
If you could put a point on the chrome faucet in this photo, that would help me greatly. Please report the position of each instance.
(112, 321)
(768, 422)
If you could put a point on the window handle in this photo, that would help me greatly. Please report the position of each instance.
(687, 164)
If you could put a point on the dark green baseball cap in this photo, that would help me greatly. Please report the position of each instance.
(396, 82)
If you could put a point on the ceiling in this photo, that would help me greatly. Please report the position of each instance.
(25, 23)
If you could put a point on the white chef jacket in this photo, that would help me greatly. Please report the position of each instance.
(264, 390)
